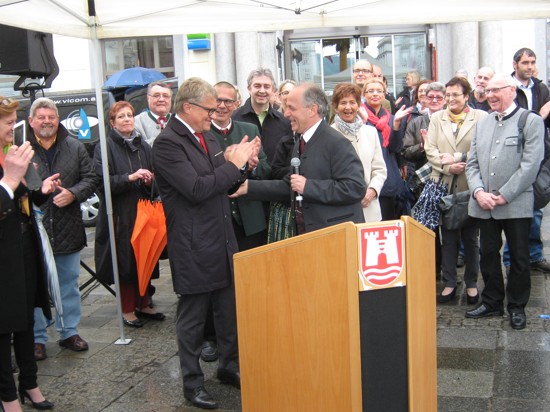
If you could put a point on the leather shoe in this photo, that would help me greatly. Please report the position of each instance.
(472, 300)
(518, 320)
(200, 398)
(132, 323)
(39, 352)
(75, 343)
(446, 298)
(483, 311)
(230, 378)
(152, 316)
(209, 351)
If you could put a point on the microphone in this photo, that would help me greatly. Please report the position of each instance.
(295, 164)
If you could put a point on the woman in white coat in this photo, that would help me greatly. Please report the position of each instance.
(346, 100)
(447, 145)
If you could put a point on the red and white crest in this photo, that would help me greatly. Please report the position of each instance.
(381, 256)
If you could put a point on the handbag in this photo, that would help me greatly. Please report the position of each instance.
(454, 208)
(426, 211)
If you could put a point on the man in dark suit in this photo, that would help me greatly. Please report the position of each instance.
(331, 178)
(194, 176)
(248, 217)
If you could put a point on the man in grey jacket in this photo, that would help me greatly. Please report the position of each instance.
(57, 152)
(150, 123)
(501, 170)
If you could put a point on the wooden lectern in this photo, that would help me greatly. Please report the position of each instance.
(340, 319)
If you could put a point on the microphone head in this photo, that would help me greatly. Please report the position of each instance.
(295, 162)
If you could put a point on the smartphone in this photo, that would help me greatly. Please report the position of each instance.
(20, 133)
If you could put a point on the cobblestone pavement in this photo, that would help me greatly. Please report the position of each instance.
(483, 365)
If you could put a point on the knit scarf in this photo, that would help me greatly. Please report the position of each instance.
(349, 128)
(381, 123)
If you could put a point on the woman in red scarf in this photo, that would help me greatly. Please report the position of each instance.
(390, 133)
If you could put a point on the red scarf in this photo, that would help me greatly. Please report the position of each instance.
(381, 124)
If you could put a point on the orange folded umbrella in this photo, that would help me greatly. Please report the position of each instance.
(148, 240)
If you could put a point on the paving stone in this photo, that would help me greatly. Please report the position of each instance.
(483, 364)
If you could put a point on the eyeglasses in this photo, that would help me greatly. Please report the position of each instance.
(210, 111)
(362, 71)
(228, 102)
(6, 102)
(157, 96)
(374, 91)
(436, 98)
(285, 93)
(453, 95)
(495, 89)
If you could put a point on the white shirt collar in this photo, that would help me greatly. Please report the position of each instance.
(520, 84)
(309, 132)
(222, 128)
(186, 124)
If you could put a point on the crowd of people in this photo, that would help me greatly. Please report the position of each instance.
(232, 177)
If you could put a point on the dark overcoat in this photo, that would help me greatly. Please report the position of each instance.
(125, 158)
(194, 186)
(20, 291)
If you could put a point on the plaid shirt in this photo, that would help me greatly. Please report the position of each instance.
(424, 172)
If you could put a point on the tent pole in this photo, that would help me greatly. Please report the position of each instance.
(98, 81)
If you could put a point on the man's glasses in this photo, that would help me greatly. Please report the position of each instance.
(495, 89)
(362, 71)
(228, 102)
(210, 111)
(436, 98)
(157, 96)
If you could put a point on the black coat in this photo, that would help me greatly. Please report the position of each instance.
(194, 186)
(71, 160)
(274, 127)
(124, 159)
(21, 289)
(335, 181)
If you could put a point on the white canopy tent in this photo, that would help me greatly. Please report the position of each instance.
(103, 19)
(130, 18)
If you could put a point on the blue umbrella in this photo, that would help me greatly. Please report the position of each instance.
(134, 76)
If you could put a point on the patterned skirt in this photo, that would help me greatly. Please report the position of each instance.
(281, 224)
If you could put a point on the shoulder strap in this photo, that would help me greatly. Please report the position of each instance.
(521, 125)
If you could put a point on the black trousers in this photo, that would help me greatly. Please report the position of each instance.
(390, 207)
(191, 316)
(245, 243)
(518, 287)
(23, 341)
(449, 250)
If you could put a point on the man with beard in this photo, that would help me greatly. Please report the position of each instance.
(257, 110)
(533, 95)
(478, 99)
(57, 152)
(150, 123)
